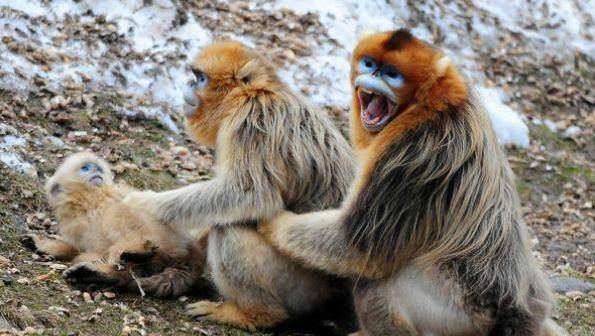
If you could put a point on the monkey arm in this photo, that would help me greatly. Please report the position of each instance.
(317, 240)
(220, 201)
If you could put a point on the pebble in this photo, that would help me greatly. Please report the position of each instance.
(109, 295)
(23, 281)
(4, 262)
(574, 295)
(87, 297)
(58, 267)
(565, 284)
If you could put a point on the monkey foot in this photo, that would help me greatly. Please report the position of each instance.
(28, 241)
(202, 308)
(229, 313)
(86, 273)
(137, 257)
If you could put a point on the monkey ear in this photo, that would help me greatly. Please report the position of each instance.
(441, 65)
(247, 72)
(56, 189)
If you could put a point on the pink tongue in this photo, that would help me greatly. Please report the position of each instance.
(374, 109)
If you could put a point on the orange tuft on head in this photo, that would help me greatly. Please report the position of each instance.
(223, 70)
(399, 82)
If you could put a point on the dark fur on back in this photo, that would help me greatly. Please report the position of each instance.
(442, 194)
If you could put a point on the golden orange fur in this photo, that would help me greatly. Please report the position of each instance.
(98, 232)
(274, 151)
(431, 231)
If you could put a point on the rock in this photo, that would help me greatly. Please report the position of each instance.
(571, 132)
(23, 281)
(574, 295)
(564, 284)
(180, 150)
(4, 262)
(109, 295)
(58, 267)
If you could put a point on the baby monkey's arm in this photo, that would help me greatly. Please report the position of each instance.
(54, 247)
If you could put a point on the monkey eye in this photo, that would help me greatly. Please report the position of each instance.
(86, 168)
(89, 166)
(200, 81)
(392, 77)
(366, 65)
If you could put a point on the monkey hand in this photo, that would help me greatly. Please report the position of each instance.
(145, 201)
(269, 228)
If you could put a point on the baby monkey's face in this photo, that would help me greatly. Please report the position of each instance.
(79, 173)
(92, 174)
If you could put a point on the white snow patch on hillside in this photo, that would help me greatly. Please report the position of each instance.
(14, 161)
(156, 82)
(151, 79)
(346, 19)
(8, 143)
(509, 126)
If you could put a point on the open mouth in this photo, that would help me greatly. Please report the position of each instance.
(376, 110)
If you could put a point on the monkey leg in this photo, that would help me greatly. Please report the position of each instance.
(260, 287)
(56, 248)
(172, 282)
(133, 252)
(175, 281)
(89, 273)
(229, 313)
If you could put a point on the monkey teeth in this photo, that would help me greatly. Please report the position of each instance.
(376, 110)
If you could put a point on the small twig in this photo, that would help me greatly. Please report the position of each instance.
(140, 288)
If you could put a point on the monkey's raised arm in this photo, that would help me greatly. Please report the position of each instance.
(250, 169)
(317, 239)
(222, 200)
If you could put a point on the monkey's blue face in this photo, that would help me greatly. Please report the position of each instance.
(199, 81)
(92, 174)
(376, 84)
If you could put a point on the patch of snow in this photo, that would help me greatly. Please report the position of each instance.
(57, 142)
(14, 161)
(507, 123)
(572, 131)
(551, 125)
(11, 141)
(153, 77)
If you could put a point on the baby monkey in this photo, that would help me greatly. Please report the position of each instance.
(105, 237)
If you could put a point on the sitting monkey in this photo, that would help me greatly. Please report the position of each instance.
(274, 151)
(99, 233)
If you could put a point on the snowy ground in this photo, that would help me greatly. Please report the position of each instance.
(154, 40)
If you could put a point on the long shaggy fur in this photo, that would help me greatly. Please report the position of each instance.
(98, 232)
(431, 230)
(274, 151)
(443, 195)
